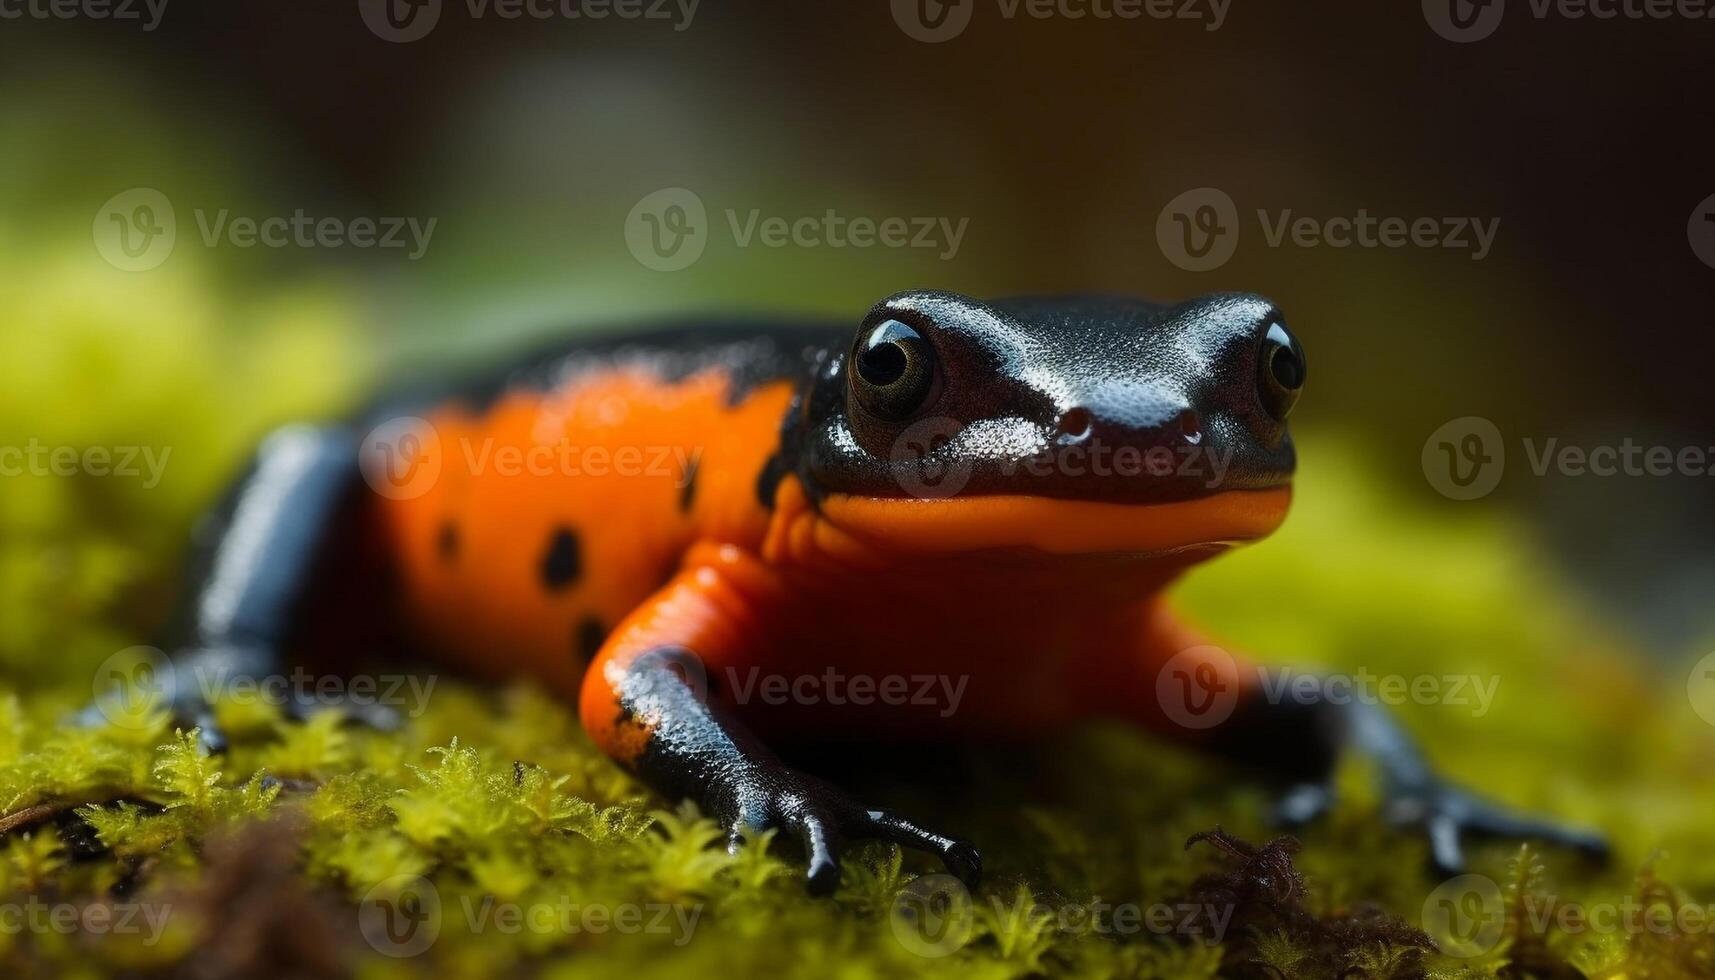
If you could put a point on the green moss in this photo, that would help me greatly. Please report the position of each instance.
(305, 832)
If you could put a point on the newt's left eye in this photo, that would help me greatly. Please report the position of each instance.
(1280, 371)
(893, 370)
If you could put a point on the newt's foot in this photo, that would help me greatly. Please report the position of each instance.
(1446, 814)
(761, 796)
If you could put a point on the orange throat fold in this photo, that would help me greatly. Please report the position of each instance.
(1054, 526)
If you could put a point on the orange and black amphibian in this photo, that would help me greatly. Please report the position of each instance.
(957, 521)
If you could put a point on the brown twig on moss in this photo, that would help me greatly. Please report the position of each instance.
(1271, 934)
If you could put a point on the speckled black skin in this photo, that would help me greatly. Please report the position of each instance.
(1017, 377)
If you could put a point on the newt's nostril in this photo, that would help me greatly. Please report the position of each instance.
(1190, 426)
(1075, 423)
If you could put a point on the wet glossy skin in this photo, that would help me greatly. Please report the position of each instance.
(1024, 379)
(991, 496)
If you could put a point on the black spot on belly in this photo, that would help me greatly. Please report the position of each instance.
(688, 492)
(563, 561)
(447, 542)
(591, 635)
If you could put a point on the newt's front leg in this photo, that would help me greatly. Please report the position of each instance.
(645, 701)
(1294, 735)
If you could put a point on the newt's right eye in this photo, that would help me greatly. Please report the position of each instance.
(1280, 371)
(893, 370)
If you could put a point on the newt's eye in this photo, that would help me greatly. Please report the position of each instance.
(893, 371)
(1280, 371)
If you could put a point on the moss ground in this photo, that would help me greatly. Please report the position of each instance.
(540, 857)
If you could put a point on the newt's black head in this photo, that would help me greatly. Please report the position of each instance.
(1101, 400)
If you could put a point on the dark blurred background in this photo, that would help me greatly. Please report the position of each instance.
(1060, 139)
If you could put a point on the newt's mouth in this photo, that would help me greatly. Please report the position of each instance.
(1058, 526)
